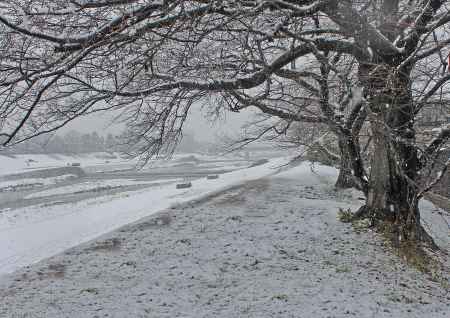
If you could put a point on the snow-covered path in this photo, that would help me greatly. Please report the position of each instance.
(270, 248)
(30, 234)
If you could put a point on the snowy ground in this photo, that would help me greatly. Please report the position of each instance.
(14, 185)
(270, 248)
(31, 180)
(104, 162)
(23, 163)
(32, 233)
(94, 185)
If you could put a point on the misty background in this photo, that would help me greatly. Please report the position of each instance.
(102, 131)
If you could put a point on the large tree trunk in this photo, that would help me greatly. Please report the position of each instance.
(392, 195)
(379, 179)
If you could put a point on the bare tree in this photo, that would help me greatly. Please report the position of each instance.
(154, 60)
(321, 97)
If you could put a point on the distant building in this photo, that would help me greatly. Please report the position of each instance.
(434, 114)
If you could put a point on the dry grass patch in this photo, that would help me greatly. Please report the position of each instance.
(416, 254)
(239, 197)
(160, 220)
(109, 245)
(52, 271)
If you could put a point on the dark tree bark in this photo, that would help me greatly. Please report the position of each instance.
(393, 191)
(345, 178)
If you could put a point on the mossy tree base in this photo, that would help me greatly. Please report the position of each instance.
(400, 231)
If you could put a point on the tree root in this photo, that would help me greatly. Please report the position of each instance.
(384, 221)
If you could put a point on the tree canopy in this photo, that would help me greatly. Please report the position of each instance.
(337, 63)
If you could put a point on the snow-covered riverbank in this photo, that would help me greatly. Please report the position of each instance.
(32, 233)
(270, 248)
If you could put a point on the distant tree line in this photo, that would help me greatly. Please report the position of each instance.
(75, 142)
(69, 143)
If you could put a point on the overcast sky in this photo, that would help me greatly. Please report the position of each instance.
(197, 125)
